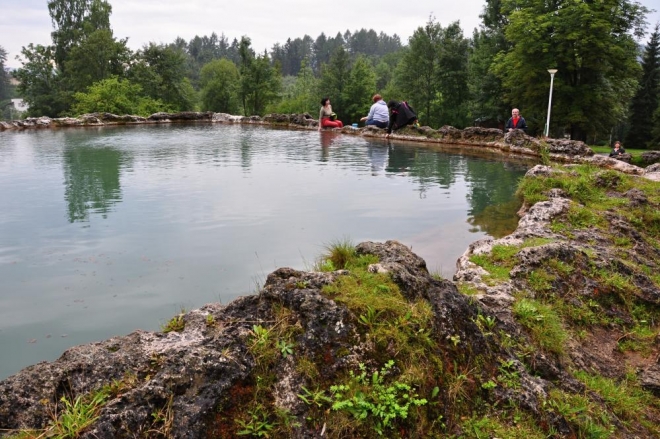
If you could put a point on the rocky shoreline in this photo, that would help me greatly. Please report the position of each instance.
(515, 143)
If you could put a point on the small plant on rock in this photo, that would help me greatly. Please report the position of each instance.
(176, 323)
(370, 397)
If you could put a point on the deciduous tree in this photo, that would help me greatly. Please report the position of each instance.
(116, 96)
(160, 71)
(96, 57)
(40, 86)
(591, 43)
(73, 20)
(220, 83)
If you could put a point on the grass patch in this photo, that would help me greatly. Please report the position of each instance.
(587, 418)
(624, 398)
(467, 289)
(543, 322)
(518, 425)
(502, 258)
(337, 255)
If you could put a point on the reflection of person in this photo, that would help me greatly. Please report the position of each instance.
(327, 139)
(378, 158)
(617, 151)
(515, 122)
(326, 116)
(401, 115)
(378, 114)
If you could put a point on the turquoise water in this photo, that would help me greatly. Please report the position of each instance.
(107, 230)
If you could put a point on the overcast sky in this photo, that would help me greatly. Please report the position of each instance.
(265, 22)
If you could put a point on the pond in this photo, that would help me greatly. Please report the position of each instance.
(111, 229)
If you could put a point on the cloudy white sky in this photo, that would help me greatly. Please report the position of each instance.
(265, 22)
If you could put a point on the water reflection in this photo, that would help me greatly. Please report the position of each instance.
(428, 168)
(497, 220)
(493, 207)
(327, 139)
(206, 209)
(378, 156)
(91, 180)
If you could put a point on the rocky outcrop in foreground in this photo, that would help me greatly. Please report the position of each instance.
(496, 354)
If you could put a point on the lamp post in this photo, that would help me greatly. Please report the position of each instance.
(552, 80)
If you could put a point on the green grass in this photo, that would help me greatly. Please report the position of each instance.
(543, 322)
(517, 425)
(587, 418)
(72, 418)
(337, 255)
(625, 398)
(502, 258)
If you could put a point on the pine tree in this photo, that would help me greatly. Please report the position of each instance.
(646, 101)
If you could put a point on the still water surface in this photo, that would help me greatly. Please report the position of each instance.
(107, 230)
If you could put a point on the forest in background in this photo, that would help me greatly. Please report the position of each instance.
(606, 88)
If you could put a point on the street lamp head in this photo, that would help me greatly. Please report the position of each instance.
(552, 71)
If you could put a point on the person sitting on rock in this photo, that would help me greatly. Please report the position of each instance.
(515, 122)
(328, 119)
(617, 151)
(401, 115)
(378, 114)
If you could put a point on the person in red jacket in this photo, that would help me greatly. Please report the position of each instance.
(516, 122)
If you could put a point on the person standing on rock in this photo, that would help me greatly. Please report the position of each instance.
(617, 151)
(328, 119)
(515, 122)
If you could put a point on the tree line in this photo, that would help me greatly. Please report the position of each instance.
(606, 85)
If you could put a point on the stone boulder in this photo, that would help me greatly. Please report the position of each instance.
(568, 147)
(649, 157)
(302, 119)
(479, 134)
(185, 116)
(194, 374)
(113, 118)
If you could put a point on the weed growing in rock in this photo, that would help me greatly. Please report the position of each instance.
(257, 423)
(72, 419)
(176, 323)
(316, 397)
(371, 397)
(508, 376)
(486, 324)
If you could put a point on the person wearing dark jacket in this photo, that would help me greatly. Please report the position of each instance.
(516, 122)
(401, 114)
(617, 151)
